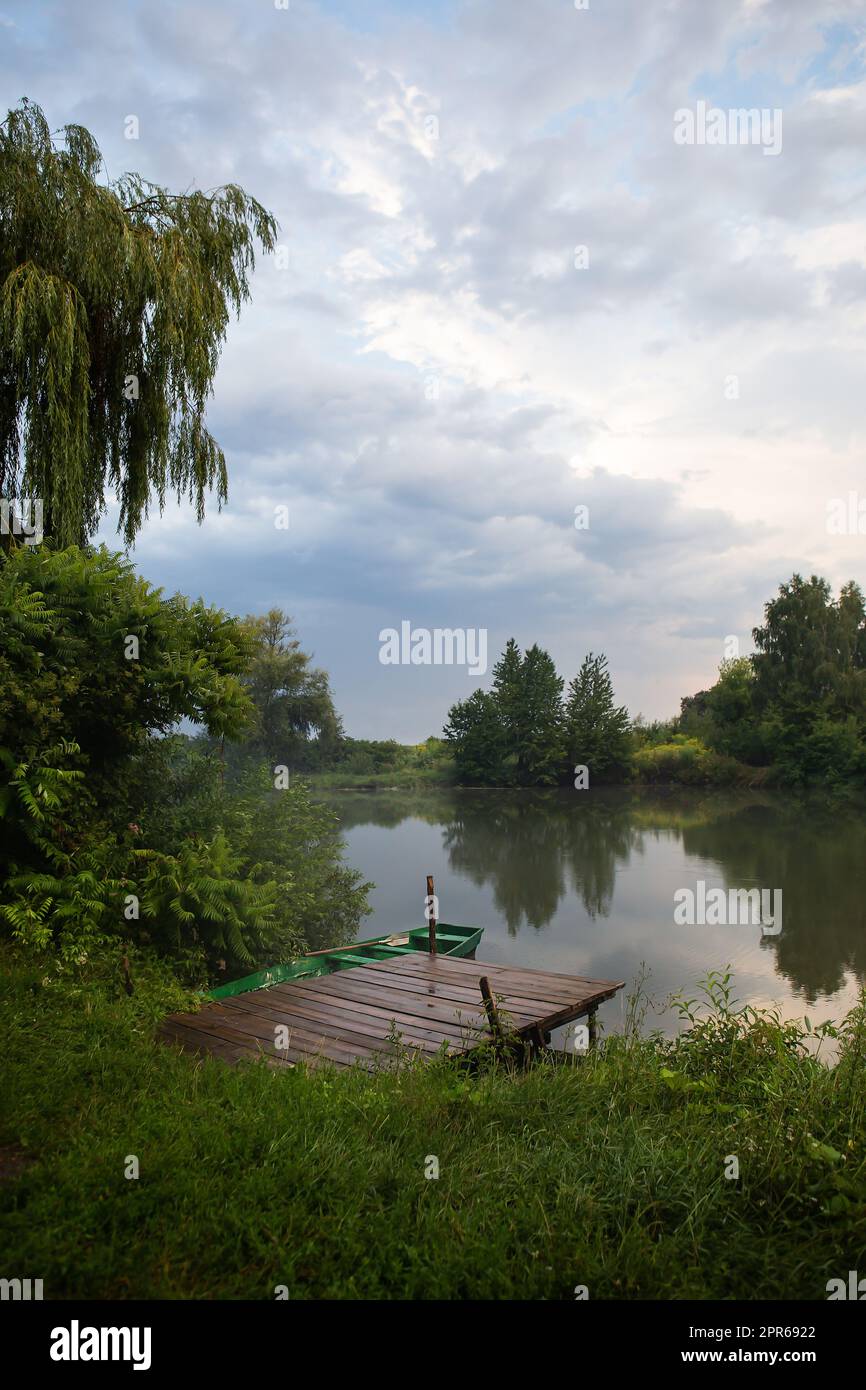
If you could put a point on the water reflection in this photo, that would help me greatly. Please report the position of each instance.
(563, 864)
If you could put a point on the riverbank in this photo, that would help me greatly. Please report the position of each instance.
(608, 1174)
(681, 762)
(396, 779)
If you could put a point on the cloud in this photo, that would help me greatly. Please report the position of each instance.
(437, 377)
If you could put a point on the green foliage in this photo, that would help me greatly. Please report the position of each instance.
(688, 761)
(540, 744)
(817, 750)
(607, 1173)
(507, 694)
(477, 735)
(799, 703)
(360, 762)
(69, 908)
(811, 651)
(284, 842)
(207, 895)
(514, 733)
(724, 717)
(596, 731)
(319, 901)
(73, 703)
(810, 682)
(364, 756)
(114, 303)
(295, 720)
(99, 804)
(645, 734)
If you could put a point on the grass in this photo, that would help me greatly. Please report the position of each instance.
(608, 1173)
(407, 778)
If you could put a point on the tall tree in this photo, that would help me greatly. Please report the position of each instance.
(508, 688)
(527, 695)
(114, 303)
(596, 730)
(811, 651)
(292, 698)
(729, 723)
(540, 746)
(810, 681)
(476, 737)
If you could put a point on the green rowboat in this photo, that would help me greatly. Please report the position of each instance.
(451, 940)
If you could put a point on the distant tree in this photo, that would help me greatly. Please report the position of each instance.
(811, 651)
(292, 698)
(648, 734)
(810, 681)
(596, 730)
(114, 302)
(540, 744)
(476, 737)
(514, 733)
(508, 692)
(731, 724)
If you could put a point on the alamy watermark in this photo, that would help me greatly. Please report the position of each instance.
(737, 126)
(854, 1289)
(77, 1343)
(20, 1290)
(846, 516)
(438, 646)
(22, 518)
(736, 907)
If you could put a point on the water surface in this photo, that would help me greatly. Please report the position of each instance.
(584, 882)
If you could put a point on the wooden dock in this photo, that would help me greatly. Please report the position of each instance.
(354, 1015)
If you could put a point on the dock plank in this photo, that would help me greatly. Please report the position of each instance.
(412, 1006)
(364, 1023)
(346, 1018)
(419, 994)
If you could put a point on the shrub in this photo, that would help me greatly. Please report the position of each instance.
(688, 761)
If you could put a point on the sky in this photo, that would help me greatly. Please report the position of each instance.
(505, 290)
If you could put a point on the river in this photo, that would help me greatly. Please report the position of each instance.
(585, 882)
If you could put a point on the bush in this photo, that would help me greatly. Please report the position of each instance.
(688, 761)
(114, 833)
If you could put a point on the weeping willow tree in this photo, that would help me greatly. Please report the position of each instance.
(114, 302)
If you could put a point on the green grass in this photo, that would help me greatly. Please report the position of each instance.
(402, 777)
(608, 1173)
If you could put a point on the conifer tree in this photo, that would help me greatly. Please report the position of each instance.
(541, 745)
(507, 690)
(596, 731)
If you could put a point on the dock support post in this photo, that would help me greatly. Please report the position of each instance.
(592, 1020)
(431, 919)
(490, 1009)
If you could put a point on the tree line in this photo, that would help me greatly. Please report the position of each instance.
(793, 712)
(525, 731)
(798, 703)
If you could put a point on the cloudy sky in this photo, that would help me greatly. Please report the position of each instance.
(505, 291)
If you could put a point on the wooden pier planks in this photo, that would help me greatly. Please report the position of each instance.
(350, 1016)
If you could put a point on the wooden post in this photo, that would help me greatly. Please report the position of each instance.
(490, 1008)
(593, 1028)
(431, 919)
